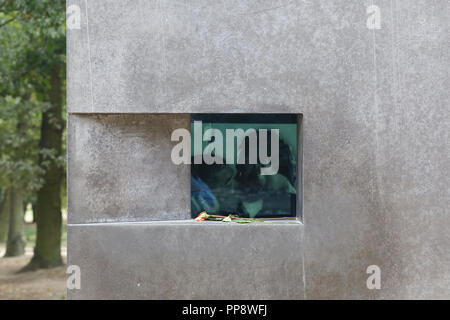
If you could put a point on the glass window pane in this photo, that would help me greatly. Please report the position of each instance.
(239, 181)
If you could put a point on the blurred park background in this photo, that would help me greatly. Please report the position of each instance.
(32, 149)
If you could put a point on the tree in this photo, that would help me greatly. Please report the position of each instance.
(15, 246)
(41, 65)
(18, 165)
(4, 215)
(18, 133)
(49, 221)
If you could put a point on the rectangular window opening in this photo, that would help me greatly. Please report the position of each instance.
(248, 165)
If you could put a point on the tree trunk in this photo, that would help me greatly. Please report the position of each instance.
(4, 216)
(47, 252)
(15, 245)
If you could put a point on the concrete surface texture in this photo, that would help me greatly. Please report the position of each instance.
(121, 169)
(188, 260)
(376, 119)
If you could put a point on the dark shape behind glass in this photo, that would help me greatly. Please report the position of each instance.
(240, 188)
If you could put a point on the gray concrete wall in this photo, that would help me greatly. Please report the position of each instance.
(376, 120)
(188, 260)
(121, 169)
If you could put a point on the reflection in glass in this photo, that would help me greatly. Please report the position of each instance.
(233, 188)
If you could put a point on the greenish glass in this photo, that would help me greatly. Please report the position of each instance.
(241, 189)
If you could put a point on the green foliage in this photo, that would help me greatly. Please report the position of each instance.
(32, 42)
(32, 70)
(19, 133)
